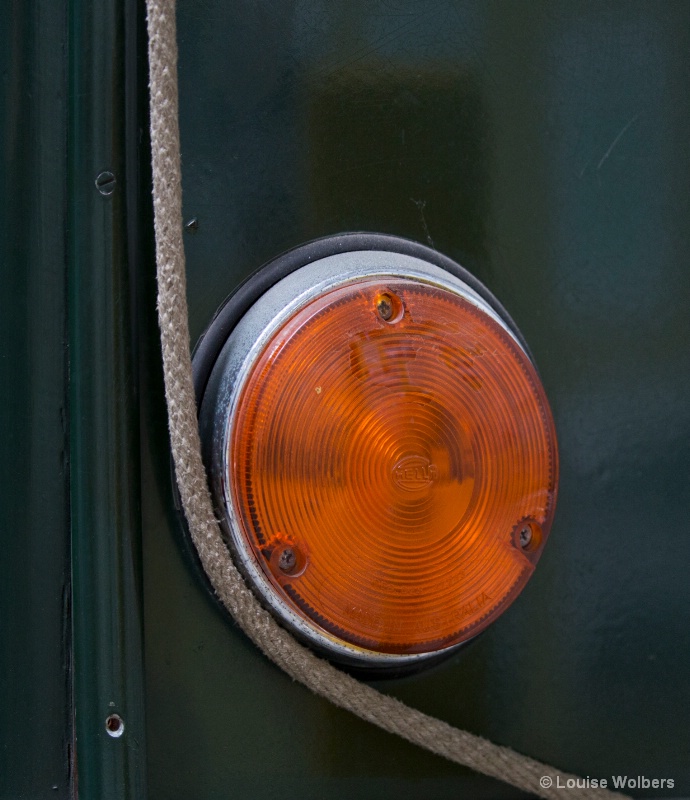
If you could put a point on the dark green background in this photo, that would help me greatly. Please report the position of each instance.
(543, 145)
(34, 419)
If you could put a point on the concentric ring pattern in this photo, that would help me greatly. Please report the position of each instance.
(387, 474)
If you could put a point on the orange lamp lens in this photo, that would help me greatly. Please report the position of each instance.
(393, 465)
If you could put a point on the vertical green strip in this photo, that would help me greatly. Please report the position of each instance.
(35, 713)
(104, 417)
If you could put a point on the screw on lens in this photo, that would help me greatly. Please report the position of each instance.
(287, 560)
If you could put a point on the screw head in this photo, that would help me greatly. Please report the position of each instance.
(105, 183)
(287, 560)
(525, 536)
(384, 307)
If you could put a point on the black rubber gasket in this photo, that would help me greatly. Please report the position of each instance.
(248, 292)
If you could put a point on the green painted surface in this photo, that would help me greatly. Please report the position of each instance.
(104, 252)
(35, 715)
(70, 572)
(544, 146)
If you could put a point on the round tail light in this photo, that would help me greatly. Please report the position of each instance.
(382, 455)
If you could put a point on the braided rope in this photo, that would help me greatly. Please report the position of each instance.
(388, 713)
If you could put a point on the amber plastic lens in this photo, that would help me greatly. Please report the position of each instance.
(393, 465)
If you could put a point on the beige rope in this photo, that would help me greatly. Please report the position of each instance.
(318, 675)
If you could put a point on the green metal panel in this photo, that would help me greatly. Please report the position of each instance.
(104, 253)
(74, 105)
(35, 712)
(544, 146)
